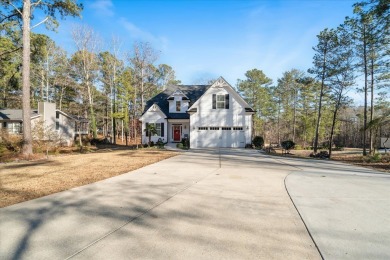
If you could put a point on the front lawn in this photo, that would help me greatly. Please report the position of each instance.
(26, 180)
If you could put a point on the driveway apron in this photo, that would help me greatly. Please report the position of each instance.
(198, 205)
(346, 208)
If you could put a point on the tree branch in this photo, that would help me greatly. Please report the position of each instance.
(36, 3)
(41, 22)
(8, 52)
(16, 9)
(7, 17)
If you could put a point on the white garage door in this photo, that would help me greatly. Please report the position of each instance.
(212, 137)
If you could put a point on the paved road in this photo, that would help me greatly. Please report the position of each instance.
(346, 208)
(185, 207)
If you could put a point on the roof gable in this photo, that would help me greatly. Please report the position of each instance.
(14, 114)
(222, 83)
(178, 93)
(154, 108)
(192, 92)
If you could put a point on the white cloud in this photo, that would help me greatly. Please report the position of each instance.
(102, 7)
(139, 34)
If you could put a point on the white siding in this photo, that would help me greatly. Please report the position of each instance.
(206, 116)
(66, 129)
(153, 117)
(183, 107)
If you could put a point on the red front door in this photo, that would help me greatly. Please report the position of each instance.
(176, 133)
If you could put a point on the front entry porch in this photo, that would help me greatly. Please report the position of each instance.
(178, 129)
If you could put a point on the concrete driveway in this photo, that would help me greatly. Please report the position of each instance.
(346, 208)
(185, 207)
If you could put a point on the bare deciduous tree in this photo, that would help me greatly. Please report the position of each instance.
(87, 43)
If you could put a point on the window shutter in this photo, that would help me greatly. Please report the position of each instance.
(162, 129)
(214, 101)
(227, 101)
(146, 128)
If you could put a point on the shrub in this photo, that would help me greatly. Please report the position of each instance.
(185, 142)
(10, 143)
(160, 143)
(258, 142)
(376, 158)
(298, 147)
(288, 145)
(321, 155)
(338, 148)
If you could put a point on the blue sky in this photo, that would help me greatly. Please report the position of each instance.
(203, 39)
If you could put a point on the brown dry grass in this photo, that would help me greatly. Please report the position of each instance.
(22, 181)
(348, 155)
(382, 164)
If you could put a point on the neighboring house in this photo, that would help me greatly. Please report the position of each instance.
(64, 126)
(385, 142)
(209, 115)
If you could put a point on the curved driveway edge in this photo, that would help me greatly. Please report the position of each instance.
(346, 208)
(185, 207)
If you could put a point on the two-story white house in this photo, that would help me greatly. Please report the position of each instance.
(209, 115)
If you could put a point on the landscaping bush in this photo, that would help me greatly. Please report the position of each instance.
(186, 142)
(298, 147)
(258, 142)
(160, 143)
(288, 145)
(321, 155)
(375, 158)
(10, 143)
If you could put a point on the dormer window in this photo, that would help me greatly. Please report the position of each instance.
(178, 106)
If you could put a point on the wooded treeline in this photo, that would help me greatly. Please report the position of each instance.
(313, 108)
(108, 83)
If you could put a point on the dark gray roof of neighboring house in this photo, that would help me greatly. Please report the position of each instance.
(193, 92)
(14, 114)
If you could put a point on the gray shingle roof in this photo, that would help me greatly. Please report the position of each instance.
(14, 114)
(193, 92)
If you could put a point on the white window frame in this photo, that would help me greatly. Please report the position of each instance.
(158, 129)
(220, 101)
(178, 106)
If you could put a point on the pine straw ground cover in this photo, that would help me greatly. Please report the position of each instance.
(26, 180)
(349, 155)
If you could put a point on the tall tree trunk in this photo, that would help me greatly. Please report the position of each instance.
(42, 96)
(320, 101)
(372, 103)
(91, 110)
(337, 105)
(279, 122)
(295, 113)
(27, 138)
(134, 118)
(365, 91)
(61, 97)
(142, 90)
(319, 114)
(114, 111)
